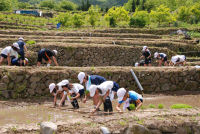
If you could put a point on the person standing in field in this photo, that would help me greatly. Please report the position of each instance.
(146, 54)
(22, 46)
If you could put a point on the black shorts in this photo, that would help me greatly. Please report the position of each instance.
(39, 57)
(81, 92)
(21, 53)
(4, 56)
(147, 61)
(165, 59)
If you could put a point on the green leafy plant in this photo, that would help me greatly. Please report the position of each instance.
(151, 106)
(31, 42)
(160, 106)
(180, 106)
(132, 106)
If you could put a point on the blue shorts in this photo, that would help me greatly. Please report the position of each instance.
(4, 56)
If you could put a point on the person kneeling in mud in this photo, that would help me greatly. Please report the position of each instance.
(128, 97)
(104, 91)
(56, 90)
(74, 91)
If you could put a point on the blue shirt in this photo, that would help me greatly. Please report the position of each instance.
(96, 79)
(132, 96)
(21, 45)
(115, 87)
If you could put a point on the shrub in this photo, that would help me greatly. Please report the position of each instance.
(31, 42)
(151, 106)
(94, 14)
(77, 20)
(180, 106)
(184, 14)
(64, 19)
(160, 106)
(136, 22)
(48, 4)
(67, 5)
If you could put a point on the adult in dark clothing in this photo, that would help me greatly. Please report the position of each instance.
(46, 55)
(146, 54)
(89, 80)
(23, 49)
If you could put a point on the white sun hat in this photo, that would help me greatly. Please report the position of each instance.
(81, 76)
(155, 54)
(51, 87)
(64, 82)
(144, 48)
(92, 90)
(20, 38)
(16, 45)
(120, 94)
(55, 52)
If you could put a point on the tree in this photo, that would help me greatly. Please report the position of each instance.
(139, 19)
(195, 10)
(133, 6)
(48, 4)
(162, 14)
(94, 15)
(184, 14)
(67, 5)
(64, 19)
(137, 2)
(143, 6)
(77, 20)
(116, 15)
(23, 5)
(6, 5)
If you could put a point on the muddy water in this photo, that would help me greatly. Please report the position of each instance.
(28, 115)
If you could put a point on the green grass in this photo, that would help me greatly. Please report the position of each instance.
(31, 42)
(160, 106)
(180, 106)
(151, 106)
(194, 34)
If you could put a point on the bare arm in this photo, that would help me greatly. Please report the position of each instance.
(62, 100)
(25, 48)
(54, 99)
(77, 95)
(55, 61)
(118, 108)
(107, 94)
(139, 104)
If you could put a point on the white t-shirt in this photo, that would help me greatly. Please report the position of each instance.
(180, 57)
(105, 86)
(9, 50)
(76, 88)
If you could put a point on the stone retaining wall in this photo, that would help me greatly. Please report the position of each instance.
(25, 82)
(95, 55)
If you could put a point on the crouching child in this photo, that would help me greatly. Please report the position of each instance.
(128, 97)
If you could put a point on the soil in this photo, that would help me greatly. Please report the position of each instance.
(24, 116)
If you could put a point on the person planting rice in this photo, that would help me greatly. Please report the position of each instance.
(162, 58)
(16, 62)
(56, 90)
(22, 46)
(9, 53)
(178, 60)
(140, 63)
(146, 54)
(104, 90)
(46, 55)
(88, 80)
(129, 98)
(75, 91)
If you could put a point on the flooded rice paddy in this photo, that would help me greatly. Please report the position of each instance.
(26, 115)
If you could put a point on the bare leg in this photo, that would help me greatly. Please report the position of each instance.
(38, 64)
(95, 99)
(166, 64)
(1, 60)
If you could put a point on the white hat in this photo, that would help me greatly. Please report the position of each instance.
(92, 90)
(81, 76)
(64, 82)
(26, 59)
(21, 38)
(144, 48)
(16, 45)
(120, 94)
(136, 64)
(51, 87)
(155, 54)
(55, 52)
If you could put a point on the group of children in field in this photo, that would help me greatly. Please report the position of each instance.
(99, 89)
(161, 59)
(15, 55)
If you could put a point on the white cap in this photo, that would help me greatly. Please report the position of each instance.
(21, 38)
(64, 82)
(16, 45)
(51, 87)
(136, 64)
(155, 54)
(144, 48)
(92, 90)
(26, 59)
(81, 76)
(55, 52)
(120, 94)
